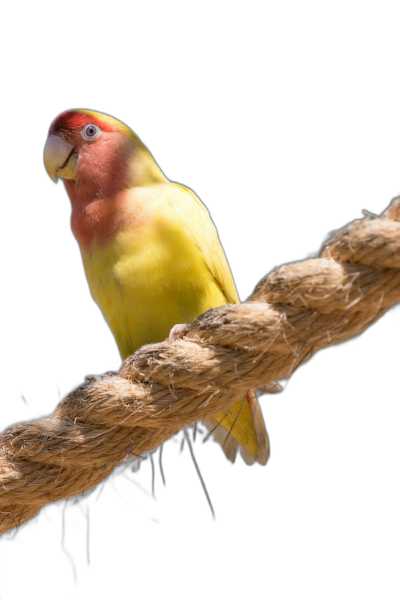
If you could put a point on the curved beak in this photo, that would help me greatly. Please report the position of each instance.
(59, 158)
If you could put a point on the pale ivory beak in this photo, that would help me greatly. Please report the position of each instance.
(59, 158)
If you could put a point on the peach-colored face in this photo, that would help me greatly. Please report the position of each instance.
(101, 162)
(95, 156)
(91, 149)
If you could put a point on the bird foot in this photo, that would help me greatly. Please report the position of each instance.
(178, 332)
(90, 378)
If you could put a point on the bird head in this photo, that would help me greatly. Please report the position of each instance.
(96, 153)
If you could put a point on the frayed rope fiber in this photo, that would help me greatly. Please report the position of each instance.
(293, 312)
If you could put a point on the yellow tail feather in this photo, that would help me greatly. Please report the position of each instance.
(242, 425)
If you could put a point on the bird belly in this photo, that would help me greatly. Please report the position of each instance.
(147, 282)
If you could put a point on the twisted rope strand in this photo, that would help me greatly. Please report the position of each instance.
(293, 312)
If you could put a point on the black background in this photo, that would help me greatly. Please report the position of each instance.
(282, 151)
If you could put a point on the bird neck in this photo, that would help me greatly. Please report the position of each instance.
(101, 200)
(96, 221)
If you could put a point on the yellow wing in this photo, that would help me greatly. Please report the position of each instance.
(243, 423)
(196, 218)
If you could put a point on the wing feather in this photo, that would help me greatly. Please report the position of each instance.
(248, 427)
(196, 218)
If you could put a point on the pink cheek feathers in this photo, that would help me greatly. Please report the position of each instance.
(99, 194)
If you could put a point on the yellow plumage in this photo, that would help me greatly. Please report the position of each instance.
(168, 270)
(162, 265)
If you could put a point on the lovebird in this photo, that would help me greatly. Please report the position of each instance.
(151, 253)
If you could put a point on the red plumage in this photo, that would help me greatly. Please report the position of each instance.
(73, 120)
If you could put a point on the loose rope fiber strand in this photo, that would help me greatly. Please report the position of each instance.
(293, 312)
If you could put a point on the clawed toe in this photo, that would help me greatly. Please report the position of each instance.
(178, 332)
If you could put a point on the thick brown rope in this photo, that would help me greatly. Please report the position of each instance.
(292, 313)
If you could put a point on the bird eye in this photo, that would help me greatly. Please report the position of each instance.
(90, 132)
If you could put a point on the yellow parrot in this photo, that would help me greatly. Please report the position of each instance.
(151, 253)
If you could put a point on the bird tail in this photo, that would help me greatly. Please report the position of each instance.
(242, 426)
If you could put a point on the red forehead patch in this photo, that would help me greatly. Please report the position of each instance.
(73, 120)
